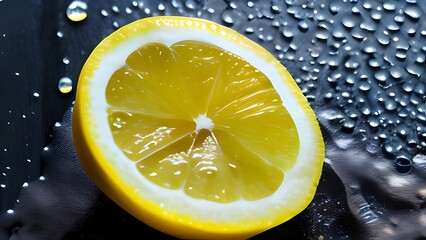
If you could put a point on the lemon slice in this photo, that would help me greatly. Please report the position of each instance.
(196, 130)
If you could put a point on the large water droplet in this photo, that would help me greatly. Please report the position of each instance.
(403, 164)
(65, 85)
(389, 5)
(413, 11)
(77, 11)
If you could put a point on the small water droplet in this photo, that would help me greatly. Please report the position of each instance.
(396, 71)
(76, 11)
(376, 15)
(161, 7)
(115, 9)
(390, 104)
(364, 85)
(65, 85)
(399, 18)
(276, 8)
(348, 124)
(36, 94)
(104, 13)
(381, 75)
(115, 24)
(59, 34)
(420, 88)
(303, 26)
(190, 4)
(65, 60)
(350, 21)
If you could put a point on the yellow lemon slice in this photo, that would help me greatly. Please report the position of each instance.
(196, 130)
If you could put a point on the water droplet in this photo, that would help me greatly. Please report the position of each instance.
(190, 4)
(65, 85)
(383, 38)
(403, 164)
(36, 94)
(376, 15)
(115, 9)
(399, 18)
(392, 26)
(276, 8)
(390, 104)
(115, 24)
(364, 85)
(227, 16)
(104, 13)
(396, 71)
(352, 63)
(350, 21)
(413, 11)
(420, 57)
(389, 5)
(76, 11)
(373, 121)
(401, 53)
(65, 60)
(381, 75)
(415, 69)
(303, 26)
(322, 34)
(420, 88)
(348, 124)
(393, 145)
(59, 34)
(161, 7)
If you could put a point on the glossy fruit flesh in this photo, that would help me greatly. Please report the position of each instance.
(189, 116)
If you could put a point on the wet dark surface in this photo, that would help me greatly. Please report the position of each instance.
(363, 60)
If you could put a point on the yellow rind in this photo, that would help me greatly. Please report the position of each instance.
(110, 182)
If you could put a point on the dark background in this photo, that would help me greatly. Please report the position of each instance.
(31, 61)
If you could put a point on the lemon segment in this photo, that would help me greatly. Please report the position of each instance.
(196, 130)
(159, 87)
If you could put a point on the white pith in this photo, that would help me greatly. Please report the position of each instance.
(176, 200)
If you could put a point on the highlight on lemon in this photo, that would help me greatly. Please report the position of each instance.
(196, 130)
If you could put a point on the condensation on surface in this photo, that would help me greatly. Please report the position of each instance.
(366, 58)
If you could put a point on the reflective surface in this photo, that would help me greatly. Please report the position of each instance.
(363, 60)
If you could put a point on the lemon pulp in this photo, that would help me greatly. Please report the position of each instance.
(189, 116)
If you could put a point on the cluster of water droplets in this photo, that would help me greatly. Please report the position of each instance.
(366, 58)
